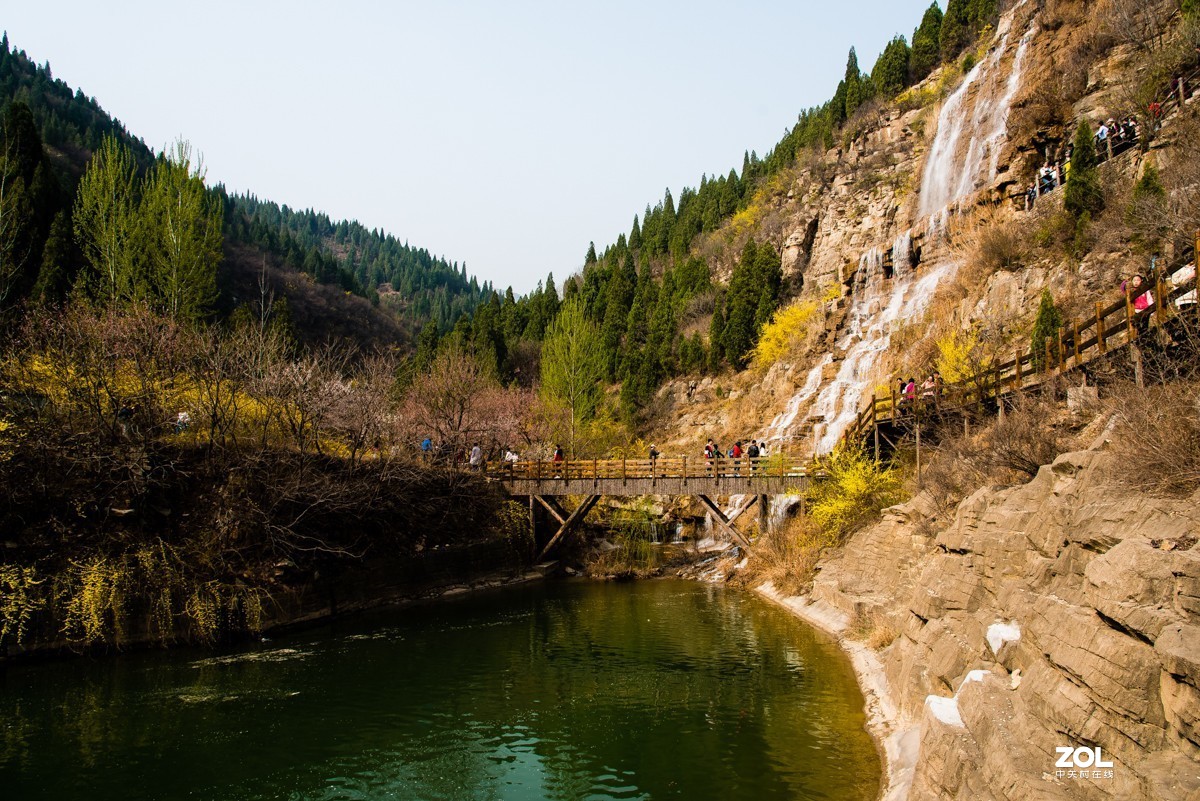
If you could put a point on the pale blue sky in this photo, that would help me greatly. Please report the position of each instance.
(506, 135)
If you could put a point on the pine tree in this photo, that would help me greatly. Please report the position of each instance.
(954, 30)
(926, 44)
(856, 91)
(1083, 193)
(635, 235)
(716, 336)
(1045, 328)
(53, 278)
(890, 75)
(591, 254)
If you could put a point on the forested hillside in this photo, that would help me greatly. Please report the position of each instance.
(317, 266)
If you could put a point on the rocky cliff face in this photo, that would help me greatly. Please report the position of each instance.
(1051, 615)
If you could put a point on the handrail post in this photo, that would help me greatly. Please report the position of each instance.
(1129, 314)
(1062, 349)
(1101, 338)
(1160, 296)
(1075, 339)
(1017, 363)
(1049, 355)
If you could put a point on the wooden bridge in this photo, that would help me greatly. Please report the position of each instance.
(545, 483)
(1118, 325)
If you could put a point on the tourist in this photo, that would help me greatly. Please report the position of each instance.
(183, 421)
(558, 460)
(910, 392)
(1133, 287)
(1031, 195)
(653, 458)
(426, 449)
(736, 454)
(709, 452)
(1180, 277)
(928, 388)
(476, 458)
(752, 452)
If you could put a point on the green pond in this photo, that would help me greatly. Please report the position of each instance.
(567, 690)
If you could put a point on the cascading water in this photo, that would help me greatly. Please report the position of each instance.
(902, 265)
(872, 319)
(952, 172)
(878, 307)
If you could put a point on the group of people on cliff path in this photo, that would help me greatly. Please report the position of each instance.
(909, 392)
(751, 453)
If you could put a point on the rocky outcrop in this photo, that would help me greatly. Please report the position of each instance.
(1057, 614)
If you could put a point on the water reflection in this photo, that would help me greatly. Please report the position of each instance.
(574, 690)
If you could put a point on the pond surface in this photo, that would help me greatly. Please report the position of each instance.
(568, 690)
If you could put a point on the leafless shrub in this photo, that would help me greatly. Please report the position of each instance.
(1158, 438)
(786, 556)
(1006, 450)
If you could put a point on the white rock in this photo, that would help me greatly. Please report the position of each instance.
(1000, 633)
(945, 710)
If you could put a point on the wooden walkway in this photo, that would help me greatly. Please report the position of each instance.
(545, 484)
(1113, 327)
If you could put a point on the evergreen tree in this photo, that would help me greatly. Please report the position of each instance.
(716, 336)
(58, 259)
(616, 314)
(427, 347)
(926, 44)
(1045, 328)
(591, 254)
(954, 30)
(1083, 193)
(890, 75)
(635, 235)
(857, 90)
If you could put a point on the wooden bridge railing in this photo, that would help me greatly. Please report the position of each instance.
(1080, 341)
(663, 467)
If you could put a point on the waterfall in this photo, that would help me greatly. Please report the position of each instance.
(951, 171)
(778, 430)
(868, 336)
(902, 255)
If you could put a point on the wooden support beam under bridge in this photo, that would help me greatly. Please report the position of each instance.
(545, 483)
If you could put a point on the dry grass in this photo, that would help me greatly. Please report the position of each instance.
(1004, 451)
(1158, 438)
(872, 629)
(786, 557)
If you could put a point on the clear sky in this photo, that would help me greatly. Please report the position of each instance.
(506, 135)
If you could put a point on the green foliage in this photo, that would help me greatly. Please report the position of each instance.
(106, 223)
(1045, 328)
(181, 236)
(954, 32)
(573, 367)
(891, 71)
(1083, 192)
(926, 44)
(751, 300)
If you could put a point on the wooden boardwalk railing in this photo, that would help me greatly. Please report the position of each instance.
(1116, 325)
(636, 469)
